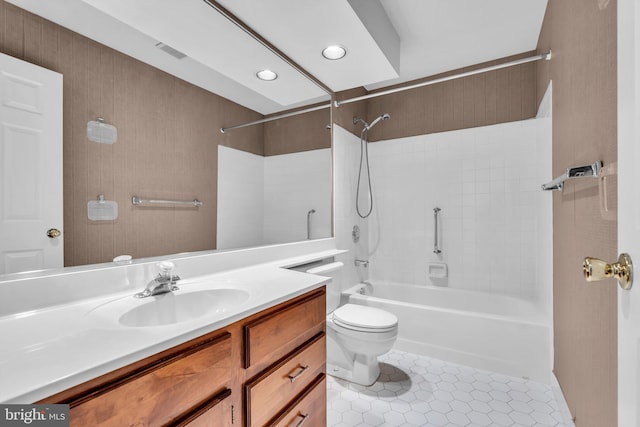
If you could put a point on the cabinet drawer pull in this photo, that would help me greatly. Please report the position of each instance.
(295, 377)
(303, 420)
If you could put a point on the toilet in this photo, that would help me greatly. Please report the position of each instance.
(356, 334)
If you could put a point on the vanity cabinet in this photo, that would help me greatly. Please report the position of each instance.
(308, 409)
(252, 372)
(190, 382)
(270, 337)
(217, 412)
(291, 346)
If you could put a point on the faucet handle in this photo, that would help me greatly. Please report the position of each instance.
(165, 268)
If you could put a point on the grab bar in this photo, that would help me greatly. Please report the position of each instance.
(436, 249)
(140, 201)
(587, 171)
(312, 211)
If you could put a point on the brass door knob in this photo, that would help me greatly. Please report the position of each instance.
(595, 269)
(52, 233)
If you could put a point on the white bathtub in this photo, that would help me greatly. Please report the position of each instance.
(487, 331)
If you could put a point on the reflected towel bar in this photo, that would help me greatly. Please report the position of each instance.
(140, 201)
(587, 171)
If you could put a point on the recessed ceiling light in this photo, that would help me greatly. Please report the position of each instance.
(266, 75)
(334, 52)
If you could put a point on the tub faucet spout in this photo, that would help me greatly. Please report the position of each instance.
(164, 282)
(362, 262)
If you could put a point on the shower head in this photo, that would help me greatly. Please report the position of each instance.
(385, 116)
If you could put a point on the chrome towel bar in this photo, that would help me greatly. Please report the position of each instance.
(140, 201)
(587, 171)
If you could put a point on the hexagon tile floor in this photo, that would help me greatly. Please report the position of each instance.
(420, 391)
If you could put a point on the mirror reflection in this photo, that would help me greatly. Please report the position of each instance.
(282, 195)
(169, 147)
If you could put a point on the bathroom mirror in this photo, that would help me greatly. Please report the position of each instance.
(170, 145)
(281, 196)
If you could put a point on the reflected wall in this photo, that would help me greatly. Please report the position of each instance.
(167, 148)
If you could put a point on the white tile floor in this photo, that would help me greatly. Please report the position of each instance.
(419, 391)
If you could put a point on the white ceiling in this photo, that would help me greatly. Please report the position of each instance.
(388, 41)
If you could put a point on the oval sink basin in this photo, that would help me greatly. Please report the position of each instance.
(170, 308)
(178, 307)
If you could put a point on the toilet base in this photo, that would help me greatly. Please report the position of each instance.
(353, 355)
(364, 371)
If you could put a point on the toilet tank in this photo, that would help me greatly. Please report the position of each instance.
(334, 287)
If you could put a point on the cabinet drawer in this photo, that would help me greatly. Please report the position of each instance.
(271, 337)
(267, 394)
(309, 409)
(159, 393)
(215, 413)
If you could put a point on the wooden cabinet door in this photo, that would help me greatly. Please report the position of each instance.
(218, 412)
(310, 409)
(161, 393)
(272, 337)
(271, 391)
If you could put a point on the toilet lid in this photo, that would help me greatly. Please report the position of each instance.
(361, 316)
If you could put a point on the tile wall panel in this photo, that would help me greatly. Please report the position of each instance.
(240, 198)
(294, 184)
(265, 200)
(487, 182)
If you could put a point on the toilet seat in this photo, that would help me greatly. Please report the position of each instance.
(365, 319)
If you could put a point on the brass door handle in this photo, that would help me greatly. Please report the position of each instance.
(52, 233)
(595, 269)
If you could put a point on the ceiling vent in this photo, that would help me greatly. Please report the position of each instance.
(171, 51)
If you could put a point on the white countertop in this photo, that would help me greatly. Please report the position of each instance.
(47, 350)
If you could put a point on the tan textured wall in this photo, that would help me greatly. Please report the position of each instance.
(582, 36)
(168, 133)
(303, 132)
(494, 97)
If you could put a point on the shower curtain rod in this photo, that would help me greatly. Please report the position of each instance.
(546, 55)
(269, 119)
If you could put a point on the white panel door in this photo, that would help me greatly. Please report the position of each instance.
(629, 209)
(30, 166)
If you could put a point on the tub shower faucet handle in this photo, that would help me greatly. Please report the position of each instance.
(362, 262)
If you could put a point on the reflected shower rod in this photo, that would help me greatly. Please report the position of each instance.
(272, 118)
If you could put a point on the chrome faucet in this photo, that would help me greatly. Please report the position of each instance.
(163, 283)
(362, 262)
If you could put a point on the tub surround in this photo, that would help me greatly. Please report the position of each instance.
(253, 189)
(56, 342)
